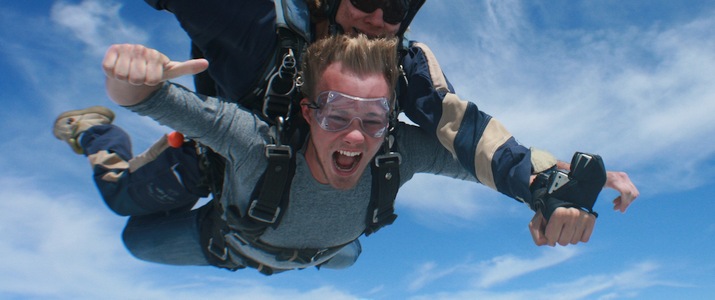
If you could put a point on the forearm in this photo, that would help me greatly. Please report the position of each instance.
(222, 126)
(182, 110)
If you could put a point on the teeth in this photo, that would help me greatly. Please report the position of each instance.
(348, 153)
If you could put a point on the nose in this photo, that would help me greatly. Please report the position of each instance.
(375, 18)
(355, 134)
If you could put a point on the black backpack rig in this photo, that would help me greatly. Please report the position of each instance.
(276, 100)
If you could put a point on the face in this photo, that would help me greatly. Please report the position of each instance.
(340, 157)
(372, 24)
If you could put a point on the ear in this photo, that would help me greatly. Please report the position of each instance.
(305, 110)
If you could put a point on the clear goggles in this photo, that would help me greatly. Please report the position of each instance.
(335, 111)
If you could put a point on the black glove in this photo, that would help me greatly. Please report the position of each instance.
(579, 188)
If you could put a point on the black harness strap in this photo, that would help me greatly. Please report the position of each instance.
(385, 184)
(265, 208)
(212, 230)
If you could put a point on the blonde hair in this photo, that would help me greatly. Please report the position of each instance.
(360, 55)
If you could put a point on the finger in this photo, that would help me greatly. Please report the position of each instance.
(109, 61)
(584, 227)
(618, 205)
(536, 227)
(190, 67)
(578, 233)
(148, 67)
(137, 74)
(553, 229)
(122, 63)
(626, 198)
(588, 230)
(568, 231)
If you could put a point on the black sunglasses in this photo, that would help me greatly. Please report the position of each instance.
(393, 11)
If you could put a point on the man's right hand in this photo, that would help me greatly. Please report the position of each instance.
(135, 71)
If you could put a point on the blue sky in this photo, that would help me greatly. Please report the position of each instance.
(633, 81)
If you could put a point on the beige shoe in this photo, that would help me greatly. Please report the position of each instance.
(70, 124)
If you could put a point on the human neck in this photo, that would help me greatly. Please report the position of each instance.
(314, 164)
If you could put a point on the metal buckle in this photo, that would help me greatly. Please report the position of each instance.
(374, 216)
(240, 238)
(215, 252)
(278, 151)
(251, 213)
(388, 157)
(270, 103)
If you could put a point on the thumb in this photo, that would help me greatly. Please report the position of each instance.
(175, 69)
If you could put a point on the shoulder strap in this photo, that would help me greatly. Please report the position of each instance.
(273, 188)
(385, 184)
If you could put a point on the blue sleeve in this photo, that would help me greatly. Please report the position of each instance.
(237, 37)
(480, 143)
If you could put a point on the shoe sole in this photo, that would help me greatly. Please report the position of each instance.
(94, 109)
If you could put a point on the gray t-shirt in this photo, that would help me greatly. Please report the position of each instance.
(317, 215)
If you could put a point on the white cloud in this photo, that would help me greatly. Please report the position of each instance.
(428, 273)
(628, 283)
(504, 268)
(96, 23)
(57, 245)
(425, 195)
(487, 274)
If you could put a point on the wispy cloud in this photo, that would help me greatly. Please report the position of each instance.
(425, 195)
(96, 23)
(486, 274)
(504, 268)
(429, 272)
(67, 253)
(628, 283)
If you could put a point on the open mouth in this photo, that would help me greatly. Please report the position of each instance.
(346, 161)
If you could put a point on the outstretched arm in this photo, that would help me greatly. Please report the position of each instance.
(134, 72)
(488, 151)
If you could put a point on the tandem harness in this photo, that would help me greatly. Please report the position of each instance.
(274, 103)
